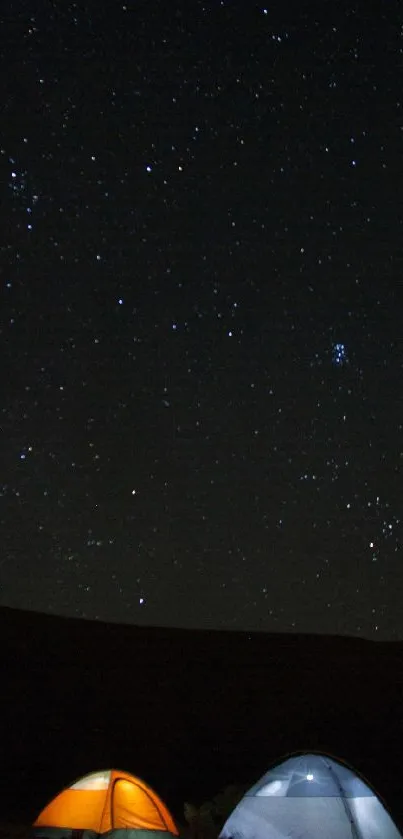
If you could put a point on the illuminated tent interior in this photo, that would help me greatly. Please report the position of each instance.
(106, 802)
(310, 796)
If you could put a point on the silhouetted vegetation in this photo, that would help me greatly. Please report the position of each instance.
(188, 711)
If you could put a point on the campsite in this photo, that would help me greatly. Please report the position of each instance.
(202, 420)
(194, 714)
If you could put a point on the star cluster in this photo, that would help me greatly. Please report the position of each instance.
(200, 324)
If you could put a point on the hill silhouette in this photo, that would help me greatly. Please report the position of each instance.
(189, 711)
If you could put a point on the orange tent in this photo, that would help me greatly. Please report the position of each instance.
(103, 802)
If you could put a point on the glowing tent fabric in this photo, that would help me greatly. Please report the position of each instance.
(105, 802)
(310, 797)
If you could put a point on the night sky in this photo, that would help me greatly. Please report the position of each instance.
(202, 313)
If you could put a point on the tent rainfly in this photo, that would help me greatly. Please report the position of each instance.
(106, 802)
(310, 796)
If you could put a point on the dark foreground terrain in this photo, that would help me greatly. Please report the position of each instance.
(189, 711)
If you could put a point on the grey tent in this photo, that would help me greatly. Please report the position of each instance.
(310, 796)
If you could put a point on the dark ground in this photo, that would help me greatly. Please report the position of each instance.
(188, 711)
